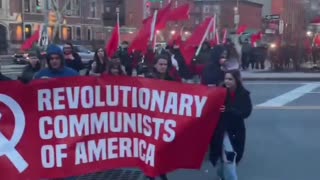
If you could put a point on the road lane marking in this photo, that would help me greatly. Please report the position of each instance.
(289, 96)
(277, 83)
(287, 108)
(316, 92)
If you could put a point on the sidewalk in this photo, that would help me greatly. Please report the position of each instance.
(280, 76)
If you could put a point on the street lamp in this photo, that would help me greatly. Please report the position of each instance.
(236, 15)
(173, 32)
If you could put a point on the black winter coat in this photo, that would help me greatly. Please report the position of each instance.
(28, 73)
(232, 122)
(75, 64)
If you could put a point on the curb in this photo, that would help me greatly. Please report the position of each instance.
(281, 79)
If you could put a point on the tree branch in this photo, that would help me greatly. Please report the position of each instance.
(64, 8)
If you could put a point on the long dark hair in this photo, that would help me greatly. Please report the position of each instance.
(101, 67)
(236, 74)
(72, 47)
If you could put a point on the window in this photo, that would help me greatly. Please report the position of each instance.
(77, 8)
(27, 6)
(206, 9)
(197, 21)
(78, 33)
(108, 9)
(93, 9)
(48, 5)
(68, 7)
(67, 33)
(73, 8)
(1, 4)
(27, 31)
(89, 35)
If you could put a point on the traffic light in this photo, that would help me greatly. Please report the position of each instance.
(38, 4)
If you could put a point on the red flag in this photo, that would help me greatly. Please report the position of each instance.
(242, 29)
(113, 44)
(179, 14)
(188, 48)
(255, 38)
(175, 40)
(142, 39)
(28, 44)
(162, 17)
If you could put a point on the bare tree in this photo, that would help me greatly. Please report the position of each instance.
(59, 14)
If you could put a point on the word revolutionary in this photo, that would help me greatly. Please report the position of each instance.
(88, 97)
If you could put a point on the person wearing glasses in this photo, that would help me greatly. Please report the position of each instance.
(72, 59)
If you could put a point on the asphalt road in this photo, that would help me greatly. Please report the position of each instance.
(282, 136)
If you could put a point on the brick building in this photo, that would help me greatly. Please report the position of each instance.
(81, 22)
(293, 13)
(132, 12)
(250, 12)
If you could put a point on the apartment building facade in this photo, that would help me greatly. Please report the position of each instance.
(250, 13)
(82, 20)
(293, 14)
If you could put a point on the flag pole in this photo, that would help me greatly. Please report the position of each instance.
(214, 26)
(204, 37)
(118, 22)
(153, 27)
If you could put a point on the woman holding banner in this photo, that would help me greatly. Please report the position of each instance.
(227, 145)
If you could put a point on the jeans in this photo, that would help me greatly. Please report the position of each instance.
(226, 167)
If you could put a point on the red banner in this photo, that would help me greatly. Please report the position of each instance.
(57, 128)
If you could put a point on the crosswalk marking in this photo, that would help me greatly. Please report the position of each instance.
(289, 96)
(289, 108)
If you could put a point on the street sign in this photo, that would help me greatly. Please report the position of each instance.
(272, 17)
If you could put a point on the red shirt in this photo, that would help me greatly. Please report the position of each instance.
(233, 96)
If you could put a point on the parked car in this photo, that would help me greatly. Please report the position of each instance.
(20, 58)
(86, 55)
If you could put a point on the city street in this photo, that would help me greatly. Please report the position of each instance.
(281, 137)
(281, 134)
